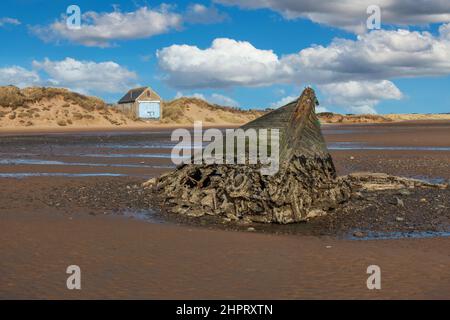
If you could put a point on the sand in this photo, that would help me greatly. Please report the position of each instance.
(418, 116)
(59, 110)
(55, 109)
(123, 256)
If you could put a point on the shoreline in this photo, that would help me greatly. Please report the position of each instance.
(4, 131)
(103, 129)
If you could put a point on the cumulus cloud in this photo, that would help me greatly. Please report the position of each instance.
(6, 20)
(360, 96)
(371, 59)
(351, 14)
(201, 14)
(215, 98)
(377, 55)
(19, 77)
(283, 101)
(87, 76)
(82, 76)
(100, 29)
(226, 63)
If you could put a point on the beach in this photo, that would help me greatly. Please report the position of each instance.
(73, 198)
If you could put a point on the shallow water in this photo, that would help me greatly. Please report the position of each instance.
(362, 146)
(371, 235)
(121, 150)
(144, 145)
(434, 180)
(20, 175)
(131, 155)
(144, 215)
(77, 164)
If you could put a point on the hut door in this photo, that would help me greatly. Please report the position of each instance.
(149, 110)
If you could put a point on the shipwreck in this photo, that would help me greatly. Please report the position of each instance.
(305, 185)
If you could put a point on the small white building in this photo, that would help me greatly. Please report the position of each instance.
(141, 103)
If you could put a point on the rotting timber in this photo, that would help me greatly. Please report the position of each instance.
(304, 186)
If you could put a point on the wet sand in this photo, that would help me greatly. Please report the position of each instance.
(126, 257)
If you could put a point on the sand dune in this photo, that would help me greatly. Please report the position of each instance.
(329, 117)
(41, 108)
(418, 116)
(50, 108)
(188, 110)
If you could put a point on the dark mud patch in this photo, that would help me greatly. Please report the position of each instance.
(418, 212)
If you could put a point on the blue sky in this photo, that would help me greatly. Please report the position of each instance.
(245, 53)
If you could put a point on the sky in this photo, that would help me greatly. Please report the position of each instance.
(246, 53)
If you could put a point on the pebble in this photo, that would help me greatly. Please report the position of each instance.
(251, 229)
(400, 203)
(423, 200)
(352, 158)
(358, 195)
(358, 234)
(399, 219)
(404, 192)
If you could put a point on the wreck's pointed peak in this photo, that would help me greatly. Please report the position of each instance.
(302, 134)
(298, 125)
(280, 117)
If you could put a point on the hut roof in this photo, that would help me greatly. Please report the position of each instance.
(132, 95)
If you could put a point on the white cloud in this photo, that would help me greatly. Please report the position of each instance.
(444, 30)
(200, 14)
(377, 55)
(6, 20)
(82, 76)
(360, 96)
(282, 102)
(102, 28)
(351, 14)
(371, 59)
(215, 98)
(180, 94)
(87, 76)
(226, 63)
(19, 77)
(223, 100)
(320, 109)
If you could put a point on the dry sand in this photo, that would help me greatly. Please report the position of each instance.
(54, 109)
(418, 116)
(59, 110)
